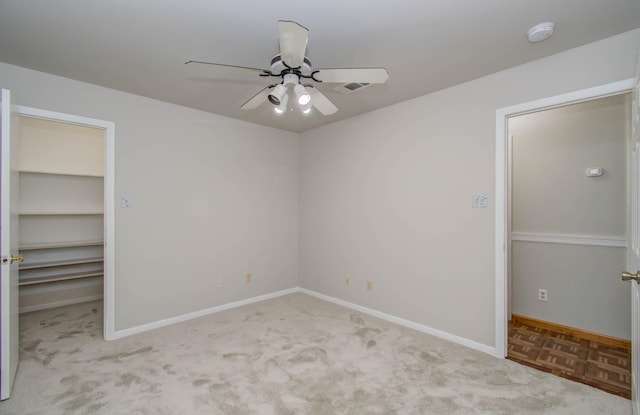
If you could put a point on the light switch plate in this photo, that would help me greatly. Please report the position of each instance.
(479, 200)
(125, 202)
(595, 171)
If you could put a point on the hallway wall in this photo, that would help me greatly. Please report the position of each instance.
(553, 198)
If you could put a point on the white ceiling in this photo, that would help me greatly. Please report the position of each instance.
(140, 46)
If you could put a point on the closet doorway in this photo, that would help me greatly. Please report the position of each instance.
(66, 211)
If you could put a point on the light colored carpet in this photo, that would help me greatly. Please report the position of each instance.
(291, 355)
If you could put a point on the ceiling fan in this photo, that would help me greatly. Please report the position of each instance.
(295, 71)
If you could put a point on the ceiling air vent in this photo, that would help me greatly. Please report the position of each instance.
(350, 88)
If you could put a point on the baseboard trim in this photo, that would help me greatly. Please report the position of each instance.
(384, 316)
(406, 323)
(61, 303)
(584, 334)
(118, 334)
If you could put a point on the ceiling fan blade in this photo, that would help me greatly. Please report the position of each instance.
(226, 68)
(321, 102)
(293, 42)
(255, 101)
(347, 75)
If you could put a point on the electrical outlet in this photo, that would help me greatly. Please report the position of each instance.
(347, 280)
(542, 294)
(220, 283)
(369, 285)
(248, 278)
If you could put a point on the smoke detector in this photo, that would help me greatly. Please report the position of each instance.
(540, 32)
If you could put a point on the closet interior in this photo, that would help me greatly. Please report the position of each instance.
(61, 211)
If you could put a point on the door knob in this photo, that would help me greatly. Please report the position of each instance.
(11, 259)
(628, 277)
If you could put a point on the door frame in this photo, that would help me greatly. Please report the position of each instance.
(501, 196)
(109, 201)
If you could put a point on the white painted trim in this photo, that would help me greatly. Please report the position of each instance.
(502, 114)
(60, 116)
(501, 206)
(61, 303)
(207, 311)
(589, 94)
(109, 200)
(406, 323)
(109, 231)
(592, 240)
(378, 314)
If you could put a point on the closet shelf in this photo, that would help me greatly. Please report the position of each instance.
(61, 263)
(60, 277)
(55, 245)
(68, 213)
(101, 176)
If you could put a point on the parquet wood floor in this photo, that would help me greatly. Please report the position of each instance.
(599, 365)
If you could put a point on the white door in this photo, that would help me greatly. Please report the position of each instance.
(9, 247)
(633, 259)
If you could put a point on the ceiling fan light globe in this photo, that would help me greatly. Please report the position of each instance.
(304, 99)
(277, 95)
(282, 107)
(302, 95)
(274, 100)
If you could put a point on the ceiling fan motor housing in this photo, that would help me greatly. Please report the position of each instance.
(278, 67)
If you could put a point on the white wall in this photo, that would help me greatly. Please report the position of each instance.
(552, 196)
(55, 147)
(551, 150)
(386, 196)
(212, 198)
